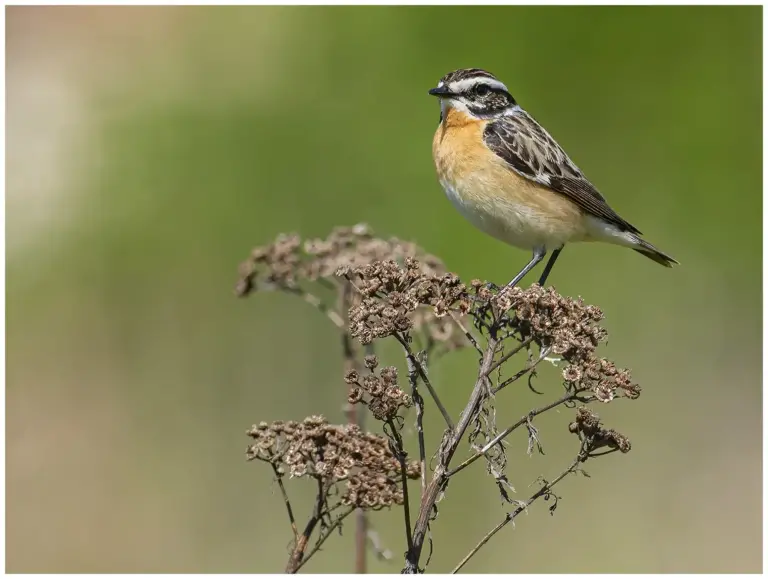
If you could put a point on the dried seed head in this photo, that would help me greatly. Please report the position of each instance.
(381, 393)
(572, 373)
(399, 298)
(371, 362)
(351, 377)
(338, 455)
(286, 260)
(355, 395)
(566, 327)
(587, 425)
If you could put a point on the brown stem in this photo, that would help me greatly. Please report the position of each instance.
(419, 402)
(327, 534)
(509, 517)
(423, 374)
(404, 478)
(448, 448)
(508, 355)
(467, 333)
(297, 555)
(354, 416)
(543, 354)
(502, 435)
(315, 301)
(287, 502)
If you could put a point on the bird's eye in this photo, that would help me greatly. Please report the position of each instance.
(482, 89)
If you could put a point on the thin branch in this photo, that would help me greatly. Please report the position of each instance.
(502, 435)
(297, 555)
(467, 333)
(419, 402)
(509, 517)
(596, 454)
(450, 442)
(325, 536)
(508, 355)
(423, 374)
(542, 355)
(404, 478)
(315, 301)
(287, 501)
(354, 416)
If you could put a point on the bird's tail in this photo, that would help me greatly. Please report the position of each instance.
(656, 255)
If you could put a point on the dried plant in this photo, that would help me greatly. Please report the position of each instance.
(374, 289)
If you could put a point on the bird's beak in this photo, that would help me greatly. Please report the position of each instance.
(441, 91)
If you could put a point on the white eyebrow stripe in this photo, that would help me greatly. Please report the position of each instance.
(467, 83)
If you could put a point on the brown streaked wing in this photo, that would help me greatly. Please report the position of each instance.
(533, 153)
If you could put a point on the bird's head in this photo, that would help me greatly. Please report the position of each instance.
(474, 91)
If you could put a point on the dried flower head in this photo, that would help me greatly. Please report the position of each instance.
(391, 294)
(569, 328)
(601, 377)
(566, 325)
(587, 425)
(275, 264)
(288, 261)
(283, 262)
(381, 393)
(371, 362)
(337, 455)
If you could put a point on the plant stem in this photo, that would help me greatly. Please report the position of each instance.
(502, 435)
(404, 477)
(450, 442)
(422, 373)
(543, 354)
(327, 534)
(286, 501)
(297, 555)
(508, 355)
(509, 517)
(419, 402)
(354, 416)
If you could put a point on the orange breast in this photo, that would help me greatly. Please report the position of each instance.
(457, 146)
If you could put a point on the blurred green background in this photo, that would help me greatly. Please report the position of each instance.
(149, 149)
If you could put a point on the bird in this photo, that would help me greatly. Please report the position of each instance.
(509, 178)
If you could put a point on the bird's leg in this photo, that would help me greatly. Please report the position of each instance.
(548, 267)
(538, 255)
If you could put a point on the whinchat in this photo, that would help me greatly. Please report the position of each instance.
(511, 179)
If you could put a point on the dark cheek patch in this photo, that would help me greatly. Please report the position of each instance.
(493, 103)
(497, 101)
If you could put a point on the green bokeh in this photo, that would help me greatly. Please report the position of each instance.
(133, 371)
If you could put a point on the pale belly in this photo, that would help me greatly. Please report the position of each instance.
(526, 220)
